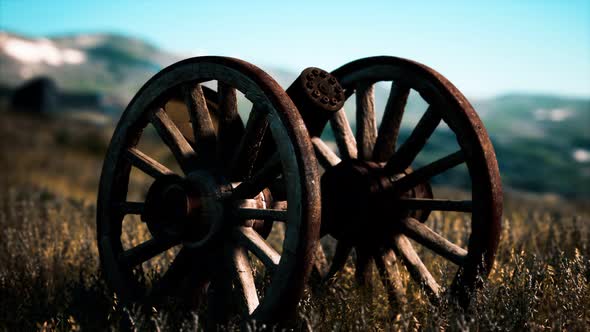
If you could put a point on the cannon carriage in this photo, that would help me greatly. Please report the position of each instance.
(244, 173)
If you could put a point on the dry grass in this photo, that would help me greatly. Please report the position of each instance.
(50, 278)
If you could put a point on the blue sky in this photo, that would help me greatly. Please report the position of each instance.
(485, 48)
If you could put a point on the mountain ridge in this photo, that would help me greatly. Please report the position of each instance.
(541, 140)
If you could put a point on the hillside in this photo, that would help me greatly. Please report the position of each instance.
(112, 65)
(542, 142)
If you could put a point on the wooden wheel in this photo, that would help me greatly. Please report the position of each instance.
(374, 198)
(206, 211)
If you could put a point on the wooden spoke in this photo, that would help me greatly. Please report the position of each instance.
(198, 279)
(219, 299)
(433, 241)
(247, 151)
(188, 272)
(419, 272)
(326, 156)
(391, 122)
(220, 292)
(436, 204)
(203, 129)
(171, 135)
(260, 180)
(340, 257)
(408, 151)
(363, 266)
(425, 173)
(343, 134)
(245, 279)
(252, 241)
(146, 164)
(144, 251)
(279, 205)
(177, 270)
(320, 262)
(230, 125)
(386, 263)
(212, 99)
(131, 208)
(263, 214)
(366, 123)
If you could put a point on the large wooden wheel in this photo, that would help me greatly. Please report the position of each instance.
(374, 198)
(211, 211)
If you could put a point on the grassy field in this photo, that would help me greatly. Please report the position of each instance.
(50, 278)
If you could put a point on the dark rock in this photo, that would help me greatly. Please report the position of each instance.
(39, 95)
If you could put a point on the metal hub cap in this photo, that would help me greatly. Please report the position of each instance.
(188, 209)
(323, 88)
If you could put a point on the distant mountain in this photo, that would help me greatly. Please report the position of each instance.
(542, 142)
(112, 65)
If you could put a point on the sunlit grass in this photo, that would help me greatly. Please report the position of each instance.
(50, 277)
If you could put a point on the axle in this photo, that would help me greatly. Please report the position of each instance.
(317, 95)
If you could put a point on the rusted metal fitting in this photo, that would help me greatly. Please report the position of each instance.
(317, 94)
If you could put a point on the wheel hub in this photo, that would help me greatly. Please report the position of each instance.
(188, 209)
(358, 205)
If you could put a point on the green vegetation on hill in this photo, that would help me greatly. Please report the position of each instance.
(537, 137)
(113, 65)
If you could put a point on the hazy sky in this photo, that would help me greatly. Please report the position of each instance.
(485, 49)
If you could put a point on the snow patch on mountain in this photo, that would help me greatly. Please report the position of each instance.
(554, 115)
(581, 155)
(40, 51)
